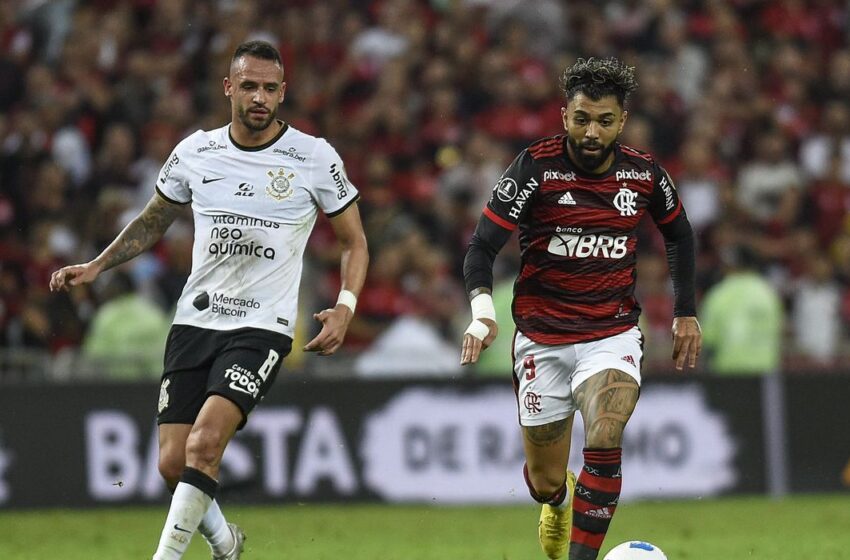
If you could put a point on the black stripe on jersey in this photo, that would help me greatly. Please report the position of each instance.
(549, 330)
(574, 326)
(170, 200)
(540, 287)
(283, 128)
(344, 208)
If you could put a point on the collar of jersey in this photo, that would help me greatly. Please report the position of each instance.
(277, 136)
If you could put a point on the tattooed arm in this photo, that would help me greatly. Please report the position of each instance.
(139, 235)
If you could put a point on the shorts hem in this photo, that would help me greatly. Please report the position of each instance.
(581, 377)
(540, 421)
(160, 422)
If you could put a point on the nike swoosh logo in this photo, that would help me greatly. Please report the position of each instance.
(214, 179)
(241, 389)
(179, 528)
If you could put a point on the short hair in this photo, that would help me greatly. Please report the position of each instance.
(258, 49)
(598, 77)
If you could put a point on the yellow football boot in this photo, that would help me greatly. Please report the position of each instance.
(556, 523)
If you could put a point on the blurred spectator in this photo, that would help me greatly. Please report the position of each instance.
(828, 203)
(816, 312)
(771, 185)
(818, 150)
(655, 294)
(702, 182)
(127, 335)
(409, 346)
(742, 319)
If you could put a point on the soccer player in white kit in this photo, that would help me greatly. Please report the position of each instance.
(255, 188)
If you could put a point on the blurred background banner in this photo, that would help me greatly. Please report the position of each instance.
(423, 441)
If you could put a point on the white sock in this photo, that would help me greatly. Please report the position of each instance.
(214, 528)
(188, 506)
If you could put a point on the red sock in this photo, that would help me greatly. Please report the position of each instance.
(594, 502)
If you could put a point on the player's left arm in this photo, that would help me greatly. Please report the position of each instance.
(670, 217)
(353, 264)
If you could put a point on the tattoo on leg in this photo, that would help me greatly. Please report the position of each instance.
(606, 401)
(547, 434)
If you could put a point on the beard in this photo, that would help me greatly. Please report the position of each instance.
(252, 123)
(590, 161)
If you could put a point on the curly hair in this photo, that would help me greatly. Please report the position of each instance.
(598, 77)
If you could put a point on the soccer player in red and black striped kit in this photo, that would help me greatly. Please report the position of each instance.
(577, 199)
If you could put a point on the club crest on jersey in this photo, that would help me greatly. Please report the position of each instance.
(626, 202)
(280, 187)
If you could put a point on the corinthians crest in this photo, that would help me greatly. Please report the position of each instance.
(281, 186)
(163, 395)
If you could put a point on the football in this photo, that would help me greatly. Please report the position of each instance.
(635, 550)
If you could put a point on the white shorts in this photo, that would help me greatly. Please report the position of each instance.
(548, 375)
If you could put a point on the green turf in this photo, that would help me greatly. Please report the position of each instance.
(742, 528)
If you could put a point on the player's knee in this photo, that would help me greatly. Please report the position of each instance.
(204, 447)
(170, 468)
(604, 434)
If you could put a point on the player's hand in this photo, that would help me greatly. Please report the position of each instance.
(472, 346)
(73, 275)
(687, 341)
(334, 324)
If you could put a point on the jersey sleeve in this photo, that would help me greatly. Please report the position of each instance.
(512, 194)
(173, 182)
(664, 203)
(332, 190)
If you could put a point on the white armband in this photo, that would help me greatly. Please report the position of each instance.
(348, 299)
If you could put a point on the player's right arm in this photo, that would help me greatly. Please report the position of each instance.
(140, 234)
(508, 203)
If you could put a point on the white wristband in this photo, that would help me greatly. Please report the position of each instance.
(477, 329)
(482, 307)
(348, 299)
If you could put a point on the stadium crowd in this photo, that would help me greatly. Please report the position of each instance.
(746, 103)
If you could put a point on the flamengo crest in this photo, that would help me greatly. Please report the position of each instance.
(626, 202)
(281, 186)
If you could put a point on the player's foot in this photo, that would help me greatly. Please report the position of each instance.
(555, 523)
(238, 543)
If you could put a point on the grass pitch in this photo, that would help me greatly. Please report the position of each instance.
(727, 529)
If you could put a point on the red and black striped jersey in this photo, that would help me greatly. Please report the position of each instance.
(578, 234)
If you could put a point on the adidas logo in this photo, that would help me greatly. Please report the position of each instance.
(567, 199)
(629, 359)
(600, 513)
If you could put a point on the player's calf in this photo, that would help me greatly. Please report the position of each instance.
(596, 496)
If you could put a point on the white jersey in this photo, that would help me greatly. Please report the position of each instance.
(254, 208)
